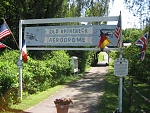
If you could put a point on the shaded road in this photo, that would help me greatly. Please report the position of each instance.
(86, 93)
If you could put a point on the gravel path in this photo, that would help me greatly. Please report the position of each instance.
(86, 93)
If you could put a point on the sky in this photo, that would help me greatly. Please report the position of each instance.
(128, 20)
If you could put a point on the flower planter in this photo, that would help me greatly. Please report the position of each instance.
(62, 104)
(62, 108)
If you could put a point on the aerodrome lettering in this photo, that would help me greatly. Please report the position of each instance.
(61, 31)
(67, 40)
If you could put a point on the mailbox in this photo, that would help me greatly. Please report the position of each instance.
(74, 63)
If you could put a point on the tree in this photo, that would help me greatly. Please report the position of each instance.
(15, 10)
(131, 35)
(141, 9)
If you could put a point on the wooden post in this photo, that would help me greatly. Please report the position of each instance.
(130, 94)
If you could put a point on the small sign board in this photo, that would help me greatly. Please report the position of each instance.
(121, 67)
(19, 63)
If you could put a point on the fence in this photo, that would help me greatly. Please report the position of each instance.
(130, 95)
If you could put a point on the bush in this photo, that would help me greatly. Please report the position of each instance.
(38, 75)
(60, 63)
(8, 78)
(8, 69)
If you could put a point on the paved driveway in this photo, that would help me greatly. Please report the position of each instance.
(86, 93)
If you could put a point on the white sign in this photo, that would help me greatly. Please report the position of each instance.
(121, 67)
(78, 35)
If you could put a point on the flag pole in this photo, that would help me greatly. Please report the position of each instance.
(121, 78)
(10, 32)
(20, 58)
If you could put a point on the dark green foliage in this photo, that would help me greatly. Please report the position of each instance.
(15, 10)
(38, 75)
(114, 54)
(60, 63)
(131, 35)
(8, 69)
(40, 55)
(10, 97)
(137, 68)
(8, 78)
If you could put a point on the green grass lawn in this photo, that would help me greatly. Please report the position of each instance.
(34, 99)
(109, 101)
(139, 103)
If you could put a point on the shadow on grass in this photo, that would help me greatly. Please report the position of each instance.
(5, 101)
(109, 101)
(10, 110)
(139, 103)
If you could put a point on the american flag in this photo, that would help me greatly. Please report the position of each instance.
(4, 31)
(142, 44)
(118, 31)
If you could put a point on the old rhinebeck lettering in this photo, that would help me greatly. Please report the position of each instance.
(69, 31)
